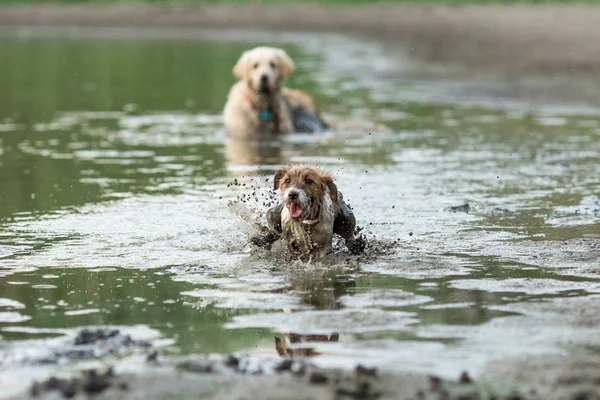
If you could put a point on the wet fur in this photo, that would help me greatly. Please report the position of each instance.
(291, 110)
(312, 232)
(324, 213)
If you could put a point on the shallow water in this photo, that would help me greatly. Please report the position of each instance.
(117, 207)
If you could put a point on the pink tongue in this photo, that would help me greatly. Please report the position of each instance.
(295, 210)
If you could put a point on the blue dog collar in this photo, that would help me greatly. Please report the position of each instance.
(265, 115)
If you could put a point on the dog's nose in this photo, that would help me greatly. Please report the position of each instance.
(264, 78)
(293, 195)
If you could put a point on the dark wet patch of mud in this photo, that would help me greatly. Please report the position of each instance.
(551, 377)
(87, 343)
(89, 382)
(471, 208)
(240, 377)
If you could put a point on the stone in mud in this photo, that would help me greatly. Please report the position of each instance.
(197, 366)
(466, 208)
(318, 377)
(78, 354)
(96, 383)
(285, 365)
(364, 371)
(465, 378)
(232, 361)
(435, 383)
(152, 357)
(91, 382)
(90, 336)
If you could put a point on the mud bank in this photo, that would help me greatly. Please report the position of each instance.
(516, 38)
(241, 377)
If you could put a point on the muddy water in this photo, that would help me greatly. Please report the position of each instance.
(119, 207)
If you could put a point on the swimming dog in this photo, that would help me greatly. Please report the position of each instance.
(311, 212)
(259, 103)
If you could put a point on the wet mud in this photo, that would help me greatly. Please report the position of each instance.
(240, 377)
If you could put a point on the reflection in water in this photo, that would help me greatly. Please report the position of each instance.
(322, 294)
(249, 155)
(71, 298)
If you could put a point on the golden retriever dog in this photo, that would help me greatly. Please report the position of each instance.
(311, 211)
(250, 155)
(260, 104)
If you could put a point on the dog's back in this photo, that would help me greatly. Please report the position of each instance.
(303, 111)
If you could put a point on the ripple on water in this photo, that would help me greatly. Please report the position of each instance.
(247, 300)
(145, 232)
(13, 317)
(383, 298)
(525, 285)
(11, 303)
(325, 322)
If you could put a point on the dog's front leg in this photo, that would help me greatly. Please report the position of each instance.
(274, 218)
(273, 233)
(345, 226)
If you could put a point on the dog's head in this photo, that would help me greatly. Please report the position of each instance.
(264, 69)
(303, 189)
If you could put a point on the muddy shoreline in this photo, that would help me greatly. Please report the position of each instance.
(146, 373)
(515, 38)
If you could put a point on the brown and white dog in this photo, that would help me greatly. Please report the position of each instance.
(259, 103)
(311, 211)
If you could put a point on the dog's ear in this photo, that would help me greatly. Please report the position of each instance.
(333, 192)
(239, 69)
(278, 175)
(287, 65)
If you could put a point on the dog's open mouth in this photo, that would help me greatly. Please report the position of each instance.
(295, 210)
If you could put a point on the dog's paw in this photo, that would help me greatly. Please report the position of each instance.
(265, 239)
(357, 245)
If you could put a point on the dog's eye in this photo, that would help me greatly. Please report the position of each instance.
(308, 181)
(255, 65)
(287, 181)
(272, 65)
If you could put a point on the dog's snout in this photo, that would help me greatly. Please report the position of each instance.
(293, 195)
(264, 78)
